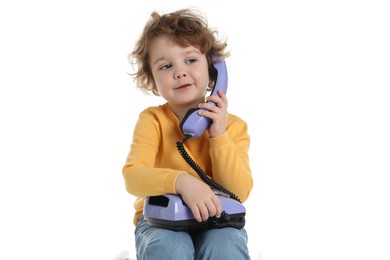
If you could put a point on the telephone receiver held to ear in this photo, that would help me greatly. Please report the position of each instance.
(193, 124)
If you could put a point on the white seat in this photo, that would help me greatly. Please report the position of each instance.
(124, 255)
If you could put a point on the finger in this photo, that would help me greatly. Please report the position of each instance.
(218, 102)
(218, 206)
(221, 94)
(223, 97)
(211, 107)
(213, 115)
(214, 99)
(211, 208)
(196, 214)
(203, 212)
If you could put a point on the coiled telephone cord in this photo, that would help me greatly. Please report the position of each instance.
(199, 171)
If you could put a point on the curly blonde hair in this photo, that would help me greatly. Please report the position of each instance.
(185, 27)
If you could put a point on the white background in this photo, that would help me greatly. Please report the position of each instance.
(311, 78)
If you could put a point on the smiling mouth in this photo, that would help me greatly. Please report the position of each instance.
(183, 86)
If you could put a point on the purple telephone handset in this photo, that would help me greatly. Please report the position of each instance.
(193, 124)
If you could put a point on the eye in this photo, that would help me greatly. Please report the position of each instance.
(192, 60)
(165, 66)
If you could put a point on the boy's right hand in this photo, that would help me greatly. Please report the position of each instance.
(198, 196)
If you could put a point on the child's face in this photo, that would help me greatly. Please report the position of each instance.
(181, 74)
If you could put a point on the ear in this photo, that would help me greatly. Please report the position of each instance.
(211, 85)
(155, 91)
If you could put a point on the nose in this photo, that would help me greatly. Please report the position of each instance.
(180, 74)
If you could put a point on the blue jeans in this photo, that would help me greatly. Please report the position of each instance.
(153, 243)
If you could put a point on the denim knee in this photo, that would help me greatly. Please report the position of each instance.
(226, 243)
(157, 243)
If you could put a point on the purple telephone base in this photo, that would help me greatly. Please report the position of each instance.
(169, 211)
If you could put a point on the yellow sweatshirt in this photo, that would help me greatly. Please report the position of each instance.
(154, 162)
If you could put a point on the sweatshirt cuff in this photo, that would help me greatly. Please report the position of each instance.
(170, 182)
(219, 141)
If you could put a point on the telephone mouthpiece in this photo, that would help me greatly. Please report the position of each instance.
(195, 125)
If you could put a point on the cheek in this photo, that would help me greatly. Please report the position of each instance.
(157, 80)
(161, 84)
(205, 79)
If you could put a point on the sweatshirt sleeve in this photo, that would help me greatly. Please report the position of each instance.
(141, 176)
(230, 160)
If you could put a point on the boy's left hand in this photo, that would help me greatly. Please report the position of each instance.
(217, 113)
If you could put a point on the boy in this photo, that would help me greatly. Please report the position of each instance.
(173, 56)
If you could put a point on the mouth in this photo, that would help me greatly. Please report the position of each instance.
(183, 86)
